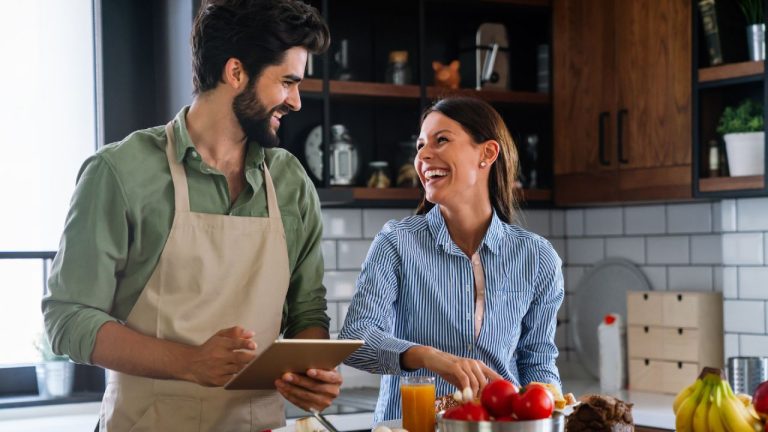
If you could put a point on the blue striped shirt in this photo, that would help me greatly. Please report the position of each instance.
(416, 287)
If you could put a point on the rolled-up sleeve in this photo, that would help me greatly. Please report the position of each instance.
(305, 301)
(371, 314)
(536, 350)
(92, 251)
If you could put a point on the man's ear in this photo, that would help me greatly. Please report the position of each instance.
(490, 151)
(234, 74)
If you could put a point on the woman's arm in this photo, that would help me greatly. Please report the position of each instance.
(371, 316)
(536, 350)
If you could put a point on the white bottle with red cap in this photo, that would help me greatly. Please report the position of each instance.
(610, 341)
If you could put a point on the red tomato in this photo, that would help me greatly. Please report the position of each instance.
(497, 397)
(505, 418)
(454, 413)
(475, 412)
(468, 412)
(533, 403)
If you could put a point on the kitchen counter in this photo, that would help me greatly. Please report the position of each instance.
(651, 410)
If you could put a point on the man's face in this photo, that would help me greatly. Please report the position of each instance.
(265, 100)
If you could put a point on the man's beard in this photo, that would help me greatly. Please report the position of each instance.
(254, 118)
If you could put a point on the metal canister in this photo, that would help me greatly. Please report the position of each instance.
(556, 423)
(746, 373)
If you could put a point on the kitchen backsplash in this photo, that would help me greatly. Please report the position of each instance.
(711, 246)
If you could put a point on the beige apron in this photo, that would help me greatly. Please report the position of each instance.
(216, 271)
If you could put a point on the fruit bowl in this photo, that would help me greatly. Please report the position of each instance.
(556, 423)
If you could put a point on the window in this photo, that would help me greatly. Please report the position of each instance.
(47, 129)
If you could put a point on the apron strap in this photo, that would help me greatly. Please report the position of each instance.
(179, 177)
(272, 207)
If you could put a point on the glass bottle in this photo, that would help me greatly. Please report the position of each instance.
(398, 71)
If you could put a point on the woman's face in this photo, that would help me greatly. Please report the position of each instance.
(448, 162)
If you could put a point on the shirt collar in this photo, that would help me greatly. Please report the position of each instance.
(439, 230)
(253, 157)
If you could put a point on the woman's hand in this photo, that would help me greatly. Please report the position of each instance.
(462, 372)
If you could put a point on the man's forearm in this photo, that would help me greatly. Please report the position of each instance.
(125, 350)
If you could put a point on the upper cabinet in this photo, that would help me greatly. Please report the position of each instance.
(622, 100)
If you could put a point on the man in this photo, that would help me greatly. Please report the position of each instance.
(181, 259)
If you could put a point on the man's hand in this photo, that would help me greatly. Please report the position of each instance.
(214, 363)
(317, 389)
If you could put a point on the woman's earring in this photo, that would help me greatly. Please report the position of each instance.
(483, 164)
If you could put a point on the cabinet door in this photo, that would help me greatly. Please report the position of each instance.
(583, 85)
(653, 65)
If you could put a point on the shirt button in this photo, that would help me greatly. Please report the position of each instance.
(469, 347)
(194, 154)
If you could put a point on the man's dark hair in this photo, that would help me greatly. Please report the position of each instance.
(256, 32)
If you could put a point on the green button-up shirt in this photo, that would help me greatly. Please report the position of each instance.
(121, 215)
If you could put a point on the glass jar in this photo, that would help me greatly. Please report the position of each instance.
(379, 175)
(406, 174)
(398, 71)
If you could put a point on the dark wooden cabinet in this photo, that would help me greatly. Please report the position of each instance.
(622, 100)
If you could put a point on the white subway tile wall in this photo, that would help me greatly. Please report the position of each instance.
(753, 283)
(351, 253)
(689, 218)
(631, 248)
(580, 251)
(645, 220)
(690, 279)
(743, 248)
(603, 221)
(706, 249)
(719, 246)
(728, 215)
(730, 282)
(668, 250)
(751, 214)
(744, 316)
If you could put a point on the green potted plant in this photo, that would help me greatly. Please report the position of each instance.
(742, 128)
(55, 373)
(753, 12)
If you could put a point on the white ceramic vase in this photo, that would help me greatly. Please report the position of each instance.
(745, 153)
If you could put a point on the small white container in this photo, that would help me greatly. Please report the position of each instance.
(611, 349)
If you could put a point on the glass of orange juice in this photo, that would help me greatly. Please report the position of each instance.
(418, 399)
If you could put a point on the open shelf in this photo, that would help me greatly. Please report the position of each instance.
(371, 89)
(751, 69)
(531, 98)
(399, 197)
(383, 90)
(720, 184)
(311, 85)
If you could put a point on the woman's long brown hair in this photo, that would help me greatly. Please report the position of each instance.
(481, 121)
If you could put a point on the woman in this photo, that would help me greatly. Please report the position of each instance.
(457, 292)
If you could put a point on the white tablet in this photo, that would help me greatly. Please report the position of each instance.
(291, 355)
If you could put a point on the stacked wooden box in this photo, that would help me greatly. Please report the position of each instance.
(671, 336)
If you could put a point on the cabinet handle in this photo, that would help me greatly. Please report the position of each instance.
(620, 134)
(604, 116)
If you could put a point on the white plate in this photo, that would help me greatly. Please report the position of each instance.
(313, 152)
(602, 290)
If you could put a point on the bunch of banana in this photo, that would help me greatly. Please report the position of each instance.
(710, 405)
